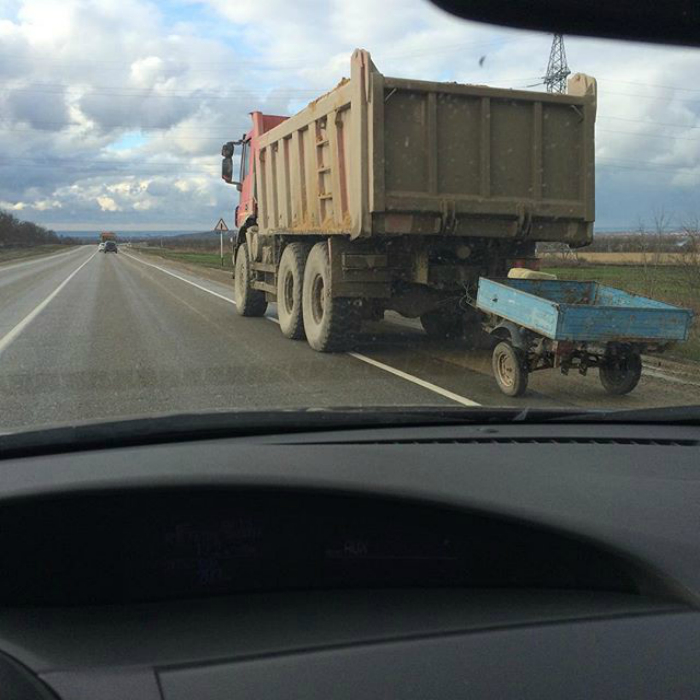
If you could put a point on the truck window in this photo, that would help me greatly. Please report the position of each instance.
(245, 158)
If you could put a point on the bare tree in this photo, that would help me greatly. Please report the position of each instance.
(559, 254)
(689, 256)
(651, 245)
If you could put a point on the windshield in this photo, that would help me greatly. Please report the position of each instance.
(325, 206)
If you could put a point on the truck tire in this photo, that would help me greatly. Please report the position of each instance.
(442, 324)
(620, 375)
(330, 323)
(290, 283)
(249, 301)
(509, 369)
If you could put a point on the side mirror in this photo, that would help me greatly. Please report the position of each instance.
(227, 170)
(227, 151)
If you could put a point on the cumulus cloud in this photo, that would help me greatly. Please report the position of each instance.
(107, 204)
(114, 111)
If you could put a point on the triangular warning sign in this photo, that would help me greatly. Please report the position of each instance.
(221, 226)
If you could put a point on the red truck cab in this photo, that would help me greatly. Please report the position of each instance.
(247, 206)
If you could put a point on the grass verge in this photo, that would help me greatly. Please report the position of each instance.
(8, 254)
(205, 259)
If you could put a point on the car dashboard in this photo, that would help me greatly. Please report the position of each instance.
(501, 561)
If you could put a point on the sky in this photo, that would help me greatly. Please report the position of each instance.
(113, 112)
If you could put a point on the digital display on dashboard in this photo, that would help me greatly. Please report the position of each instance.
(186, 544)
(248, 544)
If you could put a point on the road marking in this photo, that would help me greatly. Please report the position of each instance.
(182, 279)
(415, 380)
(14, 333)
(445, 393)
(39, 258)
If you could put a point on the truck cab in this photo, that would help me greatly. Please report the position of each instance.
(247, 205)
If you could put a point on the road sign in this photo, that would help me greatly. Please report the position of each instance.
(221, 227)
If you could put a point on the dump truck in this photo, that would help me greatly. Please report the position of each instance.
(398, 194)
(107, 236)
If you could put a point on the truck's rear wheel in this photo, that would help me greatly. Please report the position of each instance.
(620, 375)
(249, 301)
(330, 323)
(509, 369)
(442, 323)
(290, 283)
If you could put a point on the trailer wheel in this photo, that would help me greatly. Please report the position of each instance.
(442, 324)
(249, 301)
(509, 369)
(290, 283)
(330, 323)
(620, 375)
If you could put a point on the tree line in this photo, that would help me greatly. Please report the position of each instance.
(15, 233)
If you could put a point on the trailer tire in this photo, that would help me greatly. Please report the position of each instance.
(249, 301)
(330, 323)
(290, 285)
(442, 324)
(620, 375)
(509, 369)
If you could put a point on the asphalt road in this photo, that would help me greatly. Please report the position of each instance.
(86, 335)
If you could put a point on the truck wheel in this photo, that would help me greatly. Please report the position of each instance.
(330, 323)
(249, 301)
(620, 375)
(509, 369)
(290, 283)
(442, 324)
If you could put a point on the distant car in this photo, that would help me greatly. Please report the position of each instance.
(101, 246)
(110, 247)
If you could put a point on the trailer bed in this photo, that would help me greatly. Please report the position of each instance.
(583, 311)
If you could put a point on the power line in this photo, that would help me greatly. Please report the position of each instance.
(643, 165)
(226, 134)
(647, 121)
(639, 134)
(259, 62)
(129, 127)
(134, 166)
(651, 85)
(182, 93)
(148, 93)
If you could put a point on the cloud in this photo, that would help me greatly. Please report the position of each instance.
(107, 204)
(115, 110)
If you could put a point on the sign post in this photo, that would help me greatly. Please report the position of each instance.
(221, 227)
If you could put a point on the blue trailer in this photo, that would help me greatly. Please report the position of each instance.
(542, 324)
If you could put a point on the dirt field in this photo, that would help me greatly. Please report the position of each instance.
(616, 258)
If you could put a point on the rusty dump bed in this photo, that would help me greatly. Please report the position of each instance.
(381, 155)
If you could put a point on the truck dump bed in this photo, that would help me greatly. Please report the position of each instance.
(380, 155)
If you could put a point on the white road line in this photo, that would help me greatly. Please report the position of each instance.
(38, 259)
(14, 333)
(182, 279)
(358, 356)
(415, 380)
